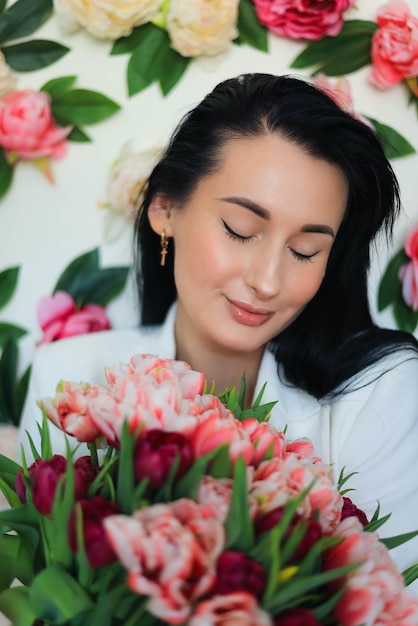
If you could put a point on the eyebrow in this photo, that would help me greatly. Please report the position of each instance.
(258, 210)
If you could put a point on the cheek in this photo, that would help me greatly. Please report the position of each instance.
(307, 285)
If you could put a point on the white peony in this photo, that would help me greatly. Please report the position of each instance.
(202, 26)
(106, 19)
(128, 177)
(7, 78)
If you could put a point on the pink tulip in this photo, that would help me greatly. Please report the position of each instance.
(408, 275)
(214, 431)
(27, 127)
(267, 441)
(234, 609)
(303, 20)
(394, 49)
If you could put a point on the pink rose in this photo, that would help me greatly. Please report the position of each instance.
(155, 453)
(303, 19)
(394, 49)
(408, 273)
(59, 318)
(98, 548)
(27, 127)
(235, 609)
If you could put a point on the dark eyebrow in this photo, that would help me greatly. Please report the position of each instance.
(258, 210)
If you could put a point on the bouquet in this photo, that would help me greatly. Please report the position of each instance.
(179, 506)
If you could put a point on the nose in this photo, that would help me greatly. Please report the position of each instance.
(264, 273)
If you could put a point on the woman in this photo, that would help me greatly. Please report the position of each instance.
(253, 247)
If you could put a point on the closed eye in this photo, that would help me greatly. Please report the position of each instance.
(234, 235)
(302, 257)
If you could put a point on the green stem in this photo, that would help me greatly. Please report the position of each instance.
(93, 453)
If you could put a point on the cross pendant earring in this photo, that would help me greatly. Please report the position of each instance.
(164, 247)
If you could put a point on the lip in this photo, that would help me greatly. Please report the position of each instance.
(247, 314)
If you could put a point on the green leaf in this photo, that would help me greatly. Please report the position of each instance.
(57, 597)
(343, 54)
(405, 317)
(390, 287)
(6, 174)
(33, 55)
(57, 86)
(172, 69)
(78, 135)
(14, 603)
(146, 62)
(82, 106)
(238, 524)
(251, 31)
(22, 390)
(8, 371)
(75, 272)
(2, 5)
(377, 523)
(127, 45)
(394, 542)
(394, 144)
(410, 574)
(23, 17)
(10, 331)
(9, 545)
(125, 470)
(8, 470)
(101, 286)
(8, 282)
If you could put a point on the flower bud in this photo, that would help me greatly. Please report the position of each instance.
(155, 453)
(235, 571)
(296, 617)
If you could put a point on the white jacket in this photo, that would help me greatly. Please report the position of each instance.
(372, 431)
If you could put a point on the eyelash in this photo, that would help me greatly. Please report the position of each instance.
(304, 258)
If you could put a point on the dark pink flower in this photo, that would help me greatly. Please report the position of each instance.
(303, 19)
(349, 509)
(296, 617)
(313, 530)
(155, 453)
(98, 548)
(45, 475)
(235, 571)
(394, 48)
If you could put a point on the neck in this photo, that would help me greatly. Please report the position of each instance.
(224, 370)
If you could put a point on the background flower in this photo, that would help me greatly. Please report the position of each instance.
(307, 19)
(203, 26)
(394, 48)
(27, 128)
(107, 19)
(408, 273)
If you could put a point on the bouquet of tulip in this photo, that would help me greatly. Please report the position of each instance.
(182, 507)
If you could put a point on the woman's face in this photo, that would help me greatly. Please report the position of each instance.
(252, 243)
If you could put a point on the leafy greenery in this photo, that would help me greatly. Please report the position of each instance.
(335, 56)
(390, 294)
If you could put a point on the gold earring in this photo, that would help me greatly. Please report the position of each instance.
(164, 247)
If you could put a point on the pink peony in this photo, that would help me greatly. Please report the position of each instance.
(394, 48)
(235, 609)
(170, 552)
(59, 318)
(303, 19)
(27, 127)
(408, 273)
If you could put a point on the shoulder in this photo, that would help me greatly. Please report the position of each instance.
(85, 357)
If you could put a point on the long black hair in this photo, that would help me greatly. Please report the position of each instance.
(334, 337)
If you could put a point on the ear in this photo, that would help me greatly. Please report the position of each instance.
(159, 213)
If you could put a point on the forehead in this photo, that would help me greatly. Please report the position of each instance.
(280, 176)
